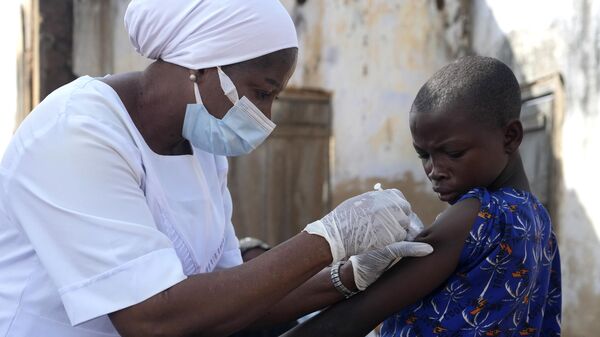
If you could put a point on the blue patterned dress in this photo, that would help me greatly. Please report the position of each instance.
(507, 282)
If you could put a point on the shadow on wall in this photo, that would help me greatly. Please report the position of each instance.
(578, 236)
(580, 261)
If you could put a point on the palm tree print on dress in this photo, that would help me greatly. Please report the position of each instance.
(507, 282)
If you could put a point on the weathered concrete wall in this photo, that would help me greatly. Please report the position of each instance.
(373, 56)
(101, 45)
(537, 38)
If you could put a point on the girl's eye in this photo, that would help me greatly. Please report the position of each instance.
(455, 154)
(423, 155)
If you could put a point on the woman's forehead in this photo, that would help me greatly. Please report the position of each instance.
(273, 69)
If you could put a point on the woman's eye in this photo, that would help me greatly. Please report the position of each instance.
(262, 95)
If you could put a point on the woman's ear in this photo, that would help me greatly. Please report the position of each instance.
(513, 136)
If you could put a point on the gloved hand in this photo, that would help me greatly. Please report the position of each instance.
(415, 227)
(367, 267)
(368, 221)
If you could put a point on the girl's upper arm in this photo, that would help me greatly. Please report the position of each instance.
(407, 282)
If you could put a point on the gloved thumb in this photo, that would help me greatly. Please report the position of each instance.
(407, 248)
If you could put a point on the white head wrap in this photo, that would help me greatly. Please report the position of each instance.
(199, 34)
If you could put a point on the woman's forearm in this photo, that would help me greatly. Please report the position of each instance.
(219, 303)
(339, 320)
(316, 294)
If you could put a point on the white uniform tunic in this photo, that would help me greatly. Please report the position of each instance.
(93, 221)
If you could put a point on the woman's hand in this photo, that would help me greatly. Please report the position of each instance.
(367, 267)
(368, 221)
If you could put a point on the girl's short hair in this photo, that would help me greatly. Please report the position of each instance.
(482, 86)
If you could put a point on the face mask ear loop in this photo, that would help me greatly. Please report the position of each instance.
(193, 78)
(197, 93)
(228, 87)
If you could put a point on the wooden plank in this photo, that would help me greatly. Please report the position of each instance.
(246, 180)
(284, 184)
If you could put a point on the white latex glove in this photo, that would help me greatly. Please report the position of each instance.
(367, 267)
(415, 227)
(368, 221)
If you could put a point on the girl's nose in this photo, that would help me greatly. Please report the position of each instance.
(435, 172)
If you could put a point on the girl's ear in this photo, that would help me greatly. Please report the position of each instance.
(513, 136)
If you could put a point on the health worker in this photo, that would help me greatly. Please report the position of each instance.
(115, 216)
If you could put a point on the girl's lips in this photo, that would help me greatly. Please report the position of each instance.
(440, 190)
(445, 195)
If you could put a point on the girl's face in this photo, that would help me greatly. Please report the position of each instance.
(458, 152)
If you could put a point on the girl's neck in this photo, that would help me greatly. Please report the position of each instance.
(513, 175)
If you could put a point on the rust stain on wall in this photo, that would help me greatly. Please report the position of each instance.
(418, 193)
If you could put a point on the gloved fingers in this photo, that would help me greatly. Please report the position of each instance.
(395, 222)
(415, 227)
(401, 232)
(406, 248)
(368, 221)
(399, 199)
(363, 277)
(397, 203)
(376, 201)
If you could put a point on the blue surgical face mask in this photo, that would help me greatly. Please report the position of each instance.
(243, 128)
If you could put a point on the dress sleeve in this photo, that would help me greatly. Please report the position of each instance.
(481, 235)
(231, 252)
(76, 194)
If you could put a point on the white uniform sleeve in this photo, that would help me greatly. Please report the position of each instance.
(75, 192)
(231, 253)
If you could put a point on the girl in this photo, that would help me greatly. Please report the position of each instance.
(495, 269)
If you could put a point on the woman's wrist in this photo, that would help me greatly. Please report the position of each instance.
(320, 246)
